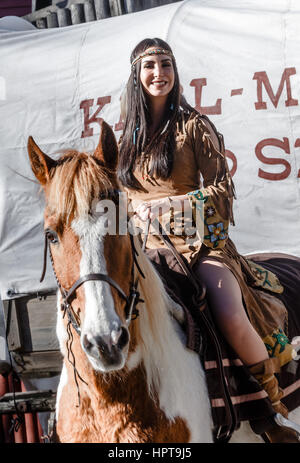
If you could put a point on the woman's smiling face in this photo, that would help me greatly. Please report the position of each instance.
(157, 75)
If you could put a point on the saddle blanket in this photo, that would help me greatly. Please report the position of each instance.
(249, 402)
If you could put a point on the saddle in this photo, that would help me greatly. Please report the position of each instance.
(234, 393)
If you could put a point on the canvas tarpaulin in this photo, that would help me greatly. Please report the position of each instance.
(238, 63)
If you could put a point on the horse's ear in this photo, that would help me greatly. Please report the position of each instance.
(107, 149)
(40, 162)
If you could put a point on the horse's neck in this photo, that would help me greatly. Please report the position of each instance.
(152, 381)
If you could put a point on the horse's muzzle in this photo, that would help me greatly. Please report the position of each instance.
(106, 351)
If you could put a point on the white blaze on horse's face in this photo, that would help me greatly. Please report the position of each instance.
(104, 336)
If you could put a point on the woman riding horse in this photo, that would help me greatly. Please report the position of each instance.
(166, 145)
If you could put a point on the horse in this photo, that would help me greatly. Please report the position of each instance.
(125, 378)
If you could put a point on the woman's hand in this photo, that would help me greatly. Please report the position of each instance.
(152, 209)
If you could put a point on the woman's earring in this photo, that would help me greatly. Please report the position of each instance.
(172, 107)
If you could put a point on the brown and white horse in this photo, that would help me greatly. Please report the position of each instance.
(122, 380)
(137, 383)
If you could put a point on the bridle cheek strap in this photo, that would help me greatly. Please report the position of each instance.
(45, 258)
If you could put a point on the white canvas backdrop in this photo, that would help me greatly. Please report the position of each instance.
(48, 77)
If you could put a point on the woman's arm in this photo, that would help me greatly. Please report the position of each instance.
(213, 202)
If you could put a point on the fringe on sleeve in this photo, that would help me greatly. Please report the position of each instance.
(214, 168)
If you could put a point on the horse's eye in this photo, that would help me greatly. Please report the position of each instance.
(52, 236)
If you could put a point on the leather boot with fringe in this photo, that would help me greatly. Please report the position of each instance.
(263, 372)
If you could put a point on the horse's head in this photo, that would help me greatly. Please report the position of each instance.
(80, 245)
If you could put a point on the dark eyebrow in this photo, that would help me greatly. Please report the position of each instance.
(163, 60)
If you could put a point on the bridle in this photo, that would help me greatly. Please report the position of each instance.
(69, 295)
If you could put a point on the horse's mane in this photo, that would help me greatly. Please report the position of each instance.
(156, 338)
(77, 179)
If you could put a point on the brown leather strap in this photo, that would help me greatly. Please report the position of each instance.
(93, 277)
(45, 258)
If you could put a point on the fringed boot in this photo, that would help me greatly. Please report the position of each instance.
(263, 372)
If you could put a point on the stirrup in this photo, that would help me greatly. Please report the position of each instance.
(280, 420)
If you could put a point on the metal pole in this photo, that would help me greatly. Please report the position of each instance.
(20, 434)
(30, 424)
(5, 419)
(40, 429)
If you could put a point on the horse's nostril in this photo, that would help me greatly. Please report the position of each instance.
(95, 345)
(115, 336)
(123, 339)
(86, 343)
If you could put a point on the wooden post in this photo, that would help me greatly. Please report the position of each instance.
(102, 9)
(154, 3)
(134, 5)
(117, 7)
(52, 20)
(165, 2)
(149, 4)
(77, 13)
(89, 10)
(64, 17)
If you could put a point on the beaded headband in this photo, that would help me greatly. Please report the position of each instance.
(157, 51)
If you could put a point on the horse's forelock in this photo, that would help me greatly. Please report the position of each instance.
(76, 181)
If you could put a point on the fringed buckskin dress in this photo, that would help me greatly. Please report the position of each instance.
(200, 170)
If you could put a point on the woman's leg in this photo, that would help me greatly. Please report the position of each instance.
(225, 302)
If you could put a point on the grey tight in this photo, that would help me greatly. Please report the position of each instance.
(225, 301)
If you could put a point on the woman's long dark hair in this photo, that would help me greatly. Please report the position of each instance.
(137, 119)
